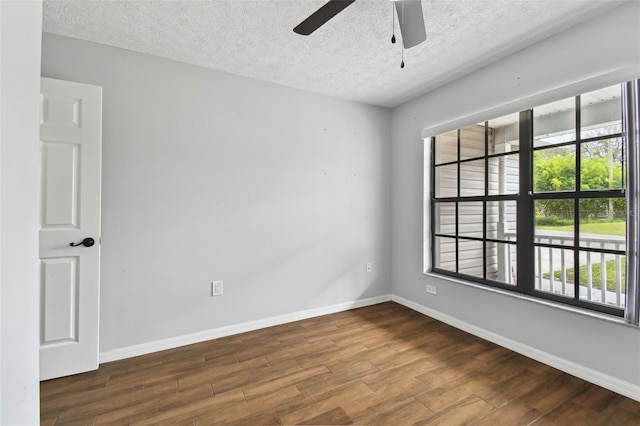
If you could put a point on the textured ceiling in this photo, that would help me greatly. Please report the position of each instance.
(350, 57)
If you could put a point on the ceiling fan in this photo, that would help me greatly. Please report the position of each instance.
(409, 12)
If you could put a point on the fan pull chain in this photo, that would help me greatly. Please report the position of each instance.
(393, 25)
(402, 61)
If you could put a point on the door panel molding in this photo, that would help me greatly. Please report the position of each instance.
(71, 139)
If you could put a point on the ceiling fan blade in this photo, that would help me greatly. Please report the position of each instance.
(411, 21)
(321, 16)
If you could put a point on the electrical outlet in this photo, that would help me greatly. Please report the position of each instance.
(216, 288)
(369, 267)
(431, 289)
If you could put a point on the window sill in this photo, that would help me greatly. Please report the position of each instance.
(551, 304)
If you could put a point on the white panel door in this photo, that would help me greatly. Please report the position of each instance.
(71, 137)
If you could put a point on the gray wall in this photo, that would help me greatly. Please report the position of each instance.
(19, 184)
(282, 194)
(593, 54)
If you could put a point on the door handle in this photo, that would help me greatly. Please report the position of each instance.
(87, 242)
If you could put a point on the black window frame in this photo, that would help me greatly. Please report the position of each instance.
(525, 201)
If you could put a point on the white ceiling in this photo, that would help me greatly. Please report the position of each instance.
(350, 57)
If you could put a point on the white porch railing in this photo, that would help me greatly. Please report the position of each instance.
(550, 261)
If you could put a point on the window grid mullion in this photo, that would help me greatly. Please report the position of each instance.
(525, 224)
(576, 205)
(432, 198)
(484, 202)
(458, 208)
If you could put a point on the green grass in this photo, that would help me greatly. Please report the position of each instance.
(608, 228)
(596, 278)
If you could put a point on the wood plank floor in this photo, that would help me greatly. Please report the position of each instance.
(379, 365)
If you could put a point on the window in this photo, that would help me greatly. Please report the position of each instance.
(537, 202)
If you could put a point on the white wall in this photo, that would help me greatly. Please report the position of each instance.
(602, 51)
(21, 24)
(282, 194)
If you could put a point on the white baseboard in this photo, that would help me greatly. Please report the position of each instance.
(612, 383)
(188, 339)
